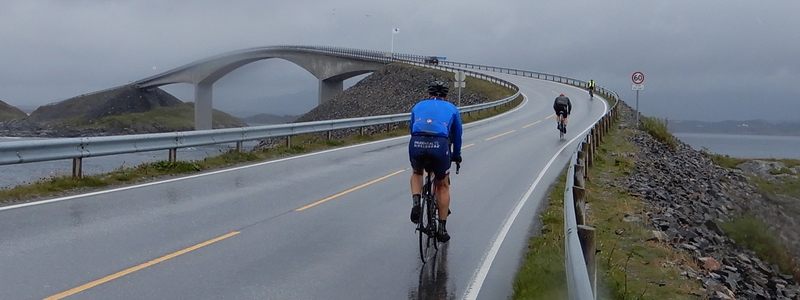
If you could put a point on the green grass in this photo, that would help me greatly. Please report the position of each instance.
(629, 266)
(755, 235)
(543, 274)
(658, 129)
(725, 160)
(178, 117)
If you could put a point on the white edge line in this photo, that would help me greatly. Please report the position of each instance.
(21, 205)
(479, 277)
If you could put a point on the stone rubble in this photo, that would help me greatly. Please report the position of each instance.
(688, 195)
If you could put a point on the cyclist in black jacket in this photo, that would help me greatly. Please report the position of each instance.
(563, 108)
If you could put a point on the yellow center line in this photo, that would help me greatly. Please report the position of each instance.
(137, 268)
(531, 124)
(473, 144)
(550, 116)
(499, 135)
(347, 191)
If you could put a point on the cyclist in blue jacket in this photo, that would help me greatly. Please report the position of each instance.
(435, 125)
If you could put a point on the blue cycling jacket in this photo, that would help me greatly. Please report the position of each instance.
(435, 117)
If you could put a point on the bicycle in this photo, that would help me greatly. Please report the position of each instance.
(428, 225)
(591, 94)
(562, 128)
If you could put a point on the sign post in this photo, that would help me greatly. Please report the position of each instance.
(460, 77)
(638, 85)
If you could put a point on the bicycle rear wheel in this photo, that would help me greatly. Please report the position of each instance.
(426, 228)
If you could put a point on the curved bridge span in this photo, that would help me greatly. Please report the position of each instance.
(330, 65)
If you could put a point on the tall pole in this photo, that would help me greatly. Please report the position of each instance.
(459, 94)
(392, 42)
(637, 108)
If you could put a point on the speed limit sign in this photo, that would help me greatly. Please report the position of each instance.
(637, 77)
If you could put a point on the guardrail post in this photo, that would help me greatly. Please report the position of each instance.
(363, 130)
(77, 167)
(328, 134)
(239, 146)
(594, 141)
(587, 235)
(173, 155)
(288, 141)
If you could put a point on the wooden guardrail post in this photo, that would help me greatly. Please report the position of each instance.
(288, 141)
(586, 235)
(239, 146)
(173, 155)
(77, 167)
(579, 195)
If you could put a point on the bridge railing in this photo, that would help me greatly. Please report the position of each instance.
(17, 152)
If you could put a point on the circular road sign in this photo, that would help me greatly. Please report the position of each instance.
(637, 77)
(460, 76)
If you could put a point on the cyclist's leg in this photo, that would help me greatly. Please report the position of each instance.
(441, 168)
(558, 119)
(416, 156)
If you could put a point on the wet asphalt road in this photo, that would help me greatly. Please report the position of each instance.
(327, 225)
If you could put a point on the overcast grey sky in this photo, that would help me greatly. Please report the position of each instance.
(712, 60)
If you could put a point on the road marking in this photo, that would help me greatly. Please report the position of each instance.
(347, 191)
(550, 116)
(531, 124)
(499, 135)
(473, 144)
(137, 268)
(478, 278)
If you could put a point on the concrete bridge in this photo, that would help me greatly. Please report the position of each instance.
(331, 65)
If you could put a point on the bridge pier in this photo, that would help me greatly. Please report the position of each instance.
(202, 106)
(329, 88)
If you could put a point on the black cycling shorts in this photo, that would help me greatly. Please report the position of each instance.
(561, 110)
(430, 152)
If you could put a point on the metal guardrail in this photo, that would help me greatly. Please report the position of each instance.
(16, 152)
(579, 247)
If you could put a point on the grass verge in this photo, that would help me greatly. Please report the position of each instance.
(658, 129)
(630, 266)
(753, 234)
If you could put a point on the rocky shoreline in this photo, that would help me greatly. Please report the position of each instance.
(688, 195)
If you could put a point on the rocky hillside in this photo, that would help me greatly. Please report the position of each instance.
(125, 99)
(689, 197)
(391, 90)
(8, 112)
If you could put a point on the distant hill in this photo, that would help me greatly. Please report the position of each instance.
(748, 127)
(265, 119)
(125, 99)
(122, 110)
(8, 112)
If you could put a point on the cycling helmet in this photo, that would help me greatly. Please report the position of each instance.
(438, 88)
(562, 95)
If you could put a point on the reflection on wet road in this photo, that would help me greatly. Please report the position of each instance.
(433, 283)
